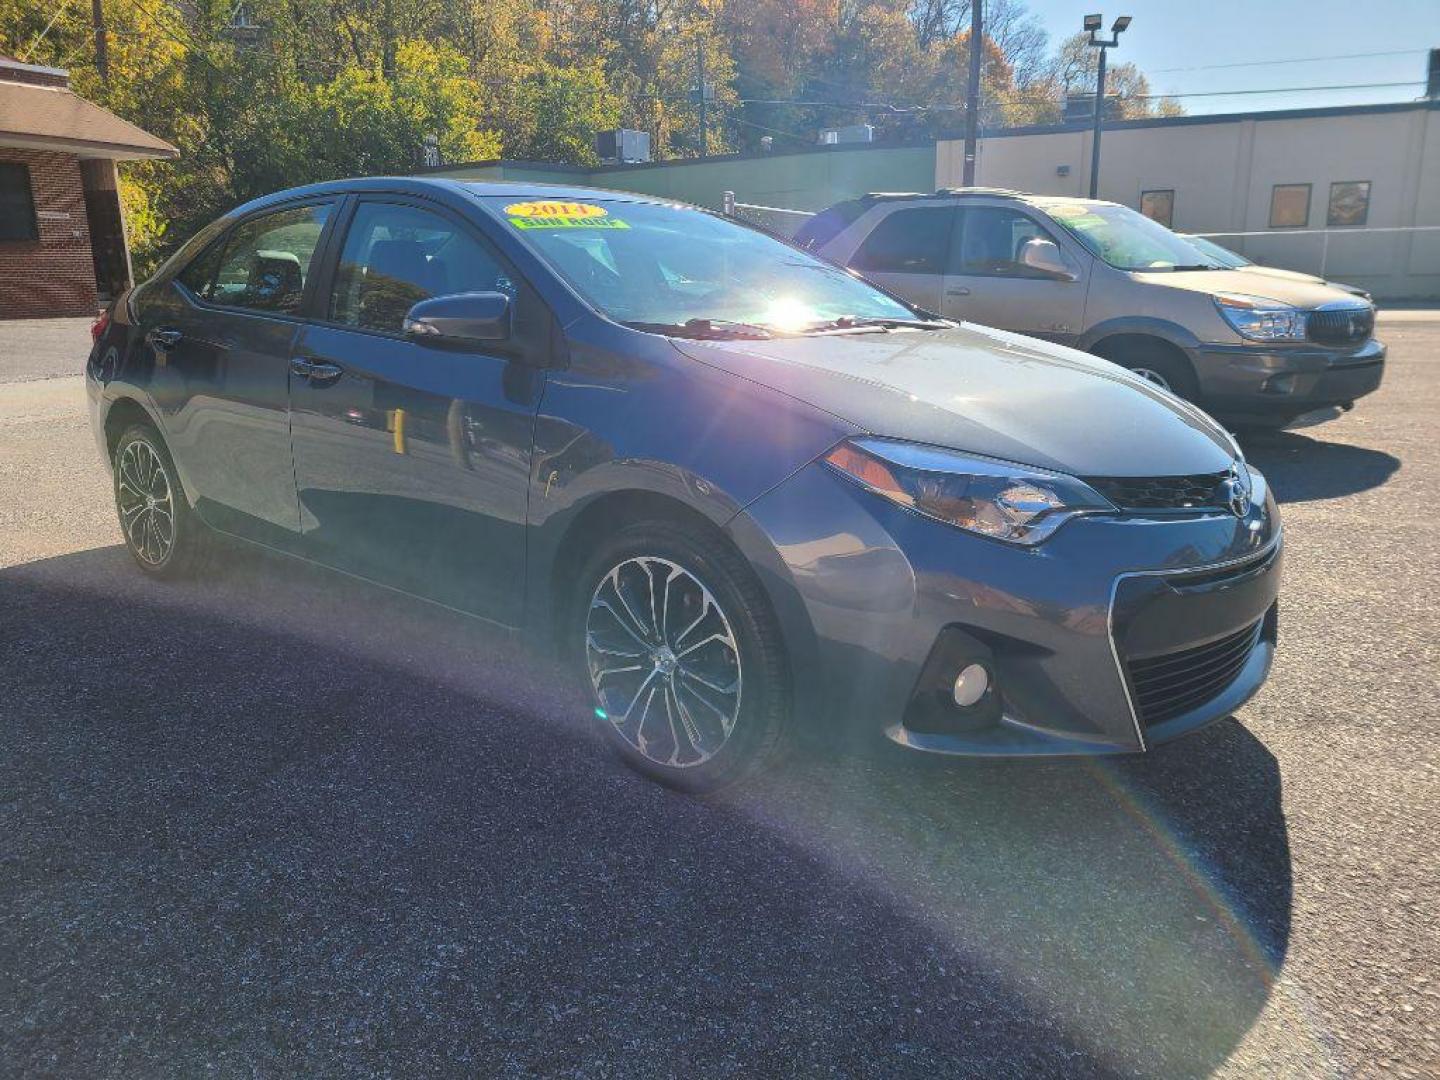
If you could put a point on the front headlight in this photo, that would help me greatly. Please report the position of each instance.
(1260, 319)
(1017, 503)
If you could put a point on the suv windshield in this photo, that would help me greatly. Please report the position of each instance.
(677, 270)
(1127, 240)
(1232, 260)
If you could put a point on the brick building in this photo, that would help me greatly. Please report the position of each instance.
(62, 238)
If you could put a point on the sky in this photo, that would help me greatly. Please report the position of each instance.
(1179, 44)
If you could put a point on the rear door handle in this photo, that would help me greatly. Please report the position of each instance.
(958, 290)
(317, 371)
(163, 338)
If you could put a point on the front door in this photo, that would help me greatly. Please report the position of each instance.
(989, 283)
(413, 460)
(221, 334)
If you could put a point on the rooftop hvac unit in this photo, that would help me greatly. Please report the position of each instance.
(853, 133)
(623, 146)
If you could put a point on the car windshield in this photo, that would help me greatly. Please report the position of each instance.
(1232, 260)
(1127, 240)
(673, 269)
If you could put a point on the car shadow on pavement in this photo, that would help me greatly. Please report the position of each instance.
(302, 825)
(1304, 469)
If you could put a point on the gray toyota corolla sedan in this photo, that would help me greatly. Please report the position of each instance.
(735, 487)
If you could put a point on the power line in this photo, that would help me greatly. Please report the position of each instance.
(30, 49)
(1294, 60)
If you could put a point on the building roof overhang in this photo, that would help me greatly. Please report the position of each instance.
(54, 118)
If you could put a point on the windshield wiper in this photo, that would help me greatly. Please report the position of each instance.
(1196, 266)
(861, 322)
(705, 329)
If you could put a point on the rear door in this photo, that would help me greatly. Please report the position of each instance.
(220, 334)
(906, 252)
(988, 282)
(412, 459)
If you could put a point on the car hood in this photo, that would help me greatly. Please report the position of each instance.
(1300, 291)
(1296, 275)
(987, 392)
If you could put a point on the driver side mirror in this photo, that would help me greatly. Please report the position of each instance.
(1045, 258)
(476, 318)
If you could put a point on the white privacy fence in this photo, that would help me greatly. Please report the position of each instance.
(776, 219)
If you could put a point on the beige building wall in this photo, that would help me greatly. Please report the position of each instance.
(1223, 174)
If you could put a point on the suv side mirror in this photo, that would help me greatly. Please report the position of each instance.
(1045, 258)
(478, 317)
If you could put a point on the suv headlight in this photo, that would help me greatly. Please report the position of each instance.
(1259, 319)
(1016, 503)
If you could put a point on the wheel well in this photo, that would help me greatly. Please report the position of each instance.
(125, 413)
(600, 519)
(1119, 348)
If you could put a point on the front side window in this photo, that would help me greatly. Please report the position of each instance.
(395, 256)
(1125, 239)
(267, 261)
(993, 240)
(655, 265)
(17, 203)
(910, 241)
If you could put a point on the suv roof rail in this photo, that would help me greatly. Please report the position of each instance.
(1003, 192)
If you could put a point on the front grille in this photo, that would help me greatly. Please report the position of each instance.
(1169, 685)
(1343, 326)
(1198, 492)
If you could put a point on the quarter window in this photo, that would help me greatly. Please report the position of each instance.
(395, 256)
(199, 276)
(1349, 203)
(1289, 206)
(912, 241)
(993, 241)
(267, 260)
(17, 203)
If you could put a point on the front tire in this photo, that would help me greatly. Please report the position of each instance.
(682, 656)
(1156, 362)
(161, 532)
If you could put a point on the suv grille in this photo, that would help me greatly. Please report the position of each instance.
(1199, 492)
(1167, 686)
(1343, 326)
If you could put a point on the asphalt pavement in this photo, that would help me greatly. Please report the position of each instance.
(282, 823)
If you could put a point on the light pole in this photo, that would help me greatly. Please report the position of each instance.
(1092, 24)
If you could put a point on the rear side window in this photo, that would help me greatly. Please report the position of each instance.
(910, 241)
(828, 224)
(267, 260)
(992, 242)
(395, 256)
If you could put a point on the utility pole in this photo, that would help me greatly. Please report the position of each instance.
(102, 52)
(700, 94)
(1092, 24)
(972, 95)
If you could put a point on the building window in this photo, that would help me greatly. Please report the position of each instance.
(17, 203)
(1289, 206)
(1159, 206)
(1349, 203)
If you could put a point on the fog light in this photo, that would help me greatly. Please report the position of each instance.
(971, 684)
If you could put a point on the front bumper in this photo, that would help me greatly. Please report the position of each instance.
(878, 589)
(1266, 381)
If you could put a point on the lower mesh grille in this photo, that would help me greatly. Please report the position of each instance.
(1169, 685)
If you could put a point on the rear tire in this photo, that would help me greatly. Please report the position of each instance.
(682, 657)
(161, 532)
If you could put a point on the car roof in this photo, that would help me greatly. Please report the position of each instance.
(446, 186)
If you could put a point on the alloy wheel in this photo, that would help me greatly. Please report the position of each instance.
(663, 661)
(1151, 375)
(146, 503)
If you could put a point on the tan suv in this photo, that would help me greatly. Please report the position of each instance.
(1100, 277)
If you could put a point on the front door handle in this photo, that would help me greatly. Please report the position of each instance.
(163, 338)
(958, 290)
(317, 371)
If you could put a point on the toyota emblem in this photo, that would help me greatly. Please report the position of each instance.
(1235, 495)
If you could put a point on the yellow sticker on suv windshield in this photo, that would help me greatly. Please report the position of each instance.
(561, 215)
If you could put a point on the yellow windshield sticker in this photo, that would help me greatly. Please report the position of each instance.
(561, 215)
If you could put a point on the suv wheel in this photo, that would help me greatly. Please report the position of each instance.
(682, 657)
(1156, 362)
(161, 532)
